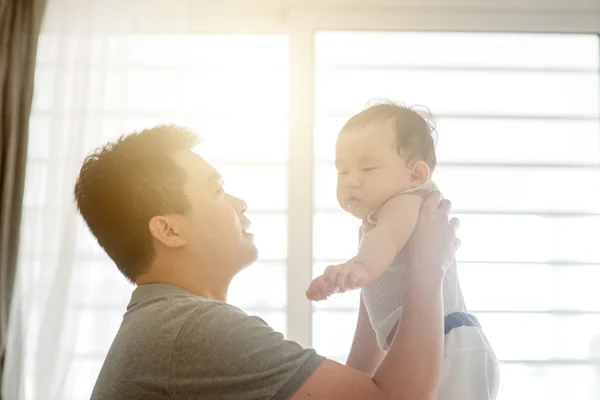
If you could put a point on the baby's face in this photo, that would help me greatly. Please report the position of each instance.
(370, 170)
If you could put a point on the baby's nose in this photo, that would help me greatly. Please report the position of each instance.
(353, 181)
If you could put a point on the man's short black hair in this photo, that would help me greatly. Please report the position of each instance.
(414, 128)
(124, 184)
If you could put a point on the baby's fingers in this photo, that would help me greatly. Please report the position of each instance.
(324, 290)
(312, 293)
(331, 274)
(357, 278)
(343, 280)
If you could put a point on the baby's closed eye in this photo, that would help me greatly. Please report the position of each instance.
(367, 169)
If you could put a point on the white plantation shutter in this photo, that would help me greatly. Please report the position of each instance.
(519, 153)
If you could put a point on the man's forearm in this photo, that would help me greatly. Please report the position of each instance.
(412, 367)
(365, 355)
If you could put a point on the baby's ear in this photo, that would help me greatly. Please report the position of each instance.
(420, 173)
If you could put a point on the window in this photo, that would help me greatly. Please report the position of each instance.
(519, 152)
(232, 89)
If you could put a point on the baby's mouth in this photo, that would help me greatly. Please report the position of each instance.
(353, 201)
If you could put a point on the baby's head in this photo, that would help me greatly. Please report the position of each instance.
(381, 151)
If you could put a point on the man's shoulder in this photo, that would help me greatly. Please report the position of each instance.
(219, 322)
(190, 322)
(186, 346)
(227, 353)
(167, 306)
(153, 330)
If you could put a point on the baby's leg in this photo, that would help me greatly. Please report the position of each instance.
(470, 370)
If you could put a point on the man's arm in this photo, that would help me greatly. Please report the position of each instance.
(411, 368)
(365, 354)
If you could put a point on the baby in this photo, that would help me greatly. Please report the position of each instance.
(385, 156)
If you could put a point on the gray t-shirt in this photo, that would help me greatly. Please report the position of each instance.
(175, 345)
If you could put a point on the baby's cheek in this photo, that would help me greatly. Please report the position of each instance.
(340, 195)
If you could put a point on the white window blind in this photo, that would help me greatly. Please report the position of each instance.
(519, 154)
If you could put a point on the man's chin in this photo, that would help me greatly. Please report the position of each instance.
(249, 256)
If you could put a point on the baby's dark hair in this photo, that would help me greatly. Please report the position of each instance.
(415, 129)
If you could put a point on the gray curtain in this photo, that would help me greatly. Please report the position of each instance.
(20, 22)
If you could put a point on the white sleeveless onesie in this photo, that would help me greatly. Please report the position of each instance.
(470, 366)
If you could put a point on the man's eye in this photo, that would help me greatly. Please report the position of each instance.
(342, 173)
(369, 169)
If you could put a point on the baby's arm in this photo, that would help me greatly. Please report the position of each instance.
(380, 246)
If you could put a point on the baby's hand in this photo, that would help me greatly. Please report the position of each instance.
(337, 279)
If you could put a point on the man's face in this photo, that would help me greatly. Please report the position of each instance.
(216, 227)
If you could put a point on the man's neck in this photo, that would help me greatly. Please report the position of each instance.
(197, 280)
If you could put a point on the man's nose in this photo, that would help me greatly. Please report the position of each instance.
(238, 204)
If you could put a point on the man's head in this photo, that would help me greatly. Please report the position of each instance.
(384, 149)
(147, 195)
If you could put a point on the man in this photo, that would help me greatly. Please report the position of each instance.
(160, 212)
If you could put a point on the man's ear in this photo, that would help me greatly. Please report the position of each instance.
(168, 229)
(420, 173)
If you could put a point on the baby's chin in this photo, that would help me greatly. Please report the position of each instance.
(358, 212)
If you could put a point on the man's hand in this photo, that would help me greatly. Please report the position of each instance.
(337, 279)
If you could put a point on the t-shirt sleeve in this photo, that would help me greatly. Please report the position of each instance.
(222, 353)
